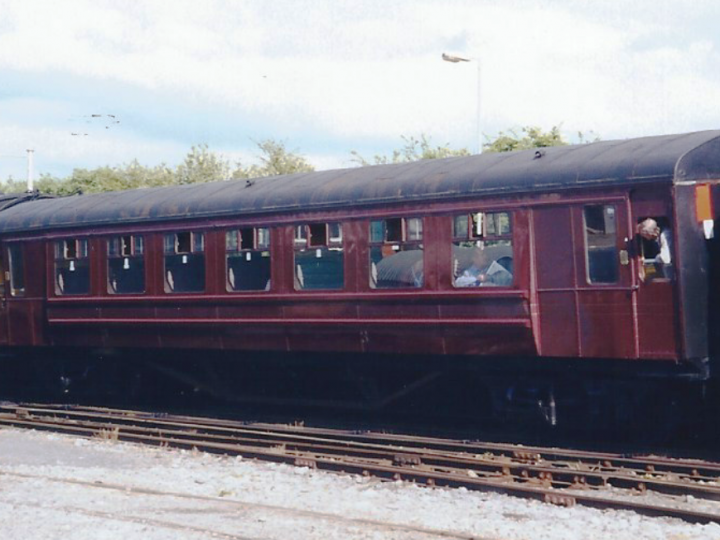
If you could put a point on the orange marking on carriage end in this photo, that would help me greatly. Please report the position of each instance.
(703, 202)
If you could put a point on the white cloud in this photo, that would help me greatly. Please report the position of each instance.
(57, 150)
(372, 70)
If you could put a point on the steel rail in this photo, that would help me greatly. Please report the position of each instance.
(521, 464)
(577, 460)
(426, 467)
(554, 474)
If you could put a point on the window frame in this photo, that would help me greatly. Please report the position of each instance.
(261, 243)
(137, 251)
(472, 235)
(587, 248)
(193, 241)
(79, 253)
(197, 241)
(479, 238)
(16, 292)
(398, 245)
(404, 231)
(648, 265)
(303, 241)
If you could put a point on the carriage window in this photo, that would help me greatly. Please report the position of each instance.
(72, 266)
(16, 264)
(396, 253)
(126, 265)
(482, 254)
(319, 262)
(654, 236)
(247, 256)
(184, 262)
(601, 252)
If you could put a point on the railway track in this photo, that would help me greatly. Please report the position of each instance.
(651, 485)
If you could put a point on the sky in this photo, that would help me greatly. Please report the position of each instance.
(88, 83)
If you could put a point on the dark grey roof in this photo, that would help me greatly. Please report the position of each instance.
(669, 158)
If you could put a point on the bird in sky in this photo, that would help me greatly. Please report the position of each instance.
(112, 119)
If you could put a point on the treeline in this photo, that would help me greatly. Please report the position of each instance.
(200, 165)
(203, 165)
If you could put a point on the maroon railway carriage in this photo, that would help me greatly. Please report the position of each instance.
(516, 261)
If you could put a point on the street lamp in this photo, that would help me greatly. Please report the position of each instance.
(456, 60)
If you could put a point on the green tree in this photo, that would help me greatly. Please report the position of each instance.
(413, 150)
(275, 159)
(12, 186)
(201, 165)
(531, 137)
(128, 176)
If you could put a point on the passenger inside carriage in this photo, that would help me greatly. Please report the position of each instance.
(482, 250)
(485, 270)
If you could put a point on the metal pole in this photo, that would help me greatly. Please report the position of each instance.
(30, 187)
(479, 110)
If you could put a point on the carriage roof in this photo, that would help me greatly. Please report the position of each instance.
(686, 157)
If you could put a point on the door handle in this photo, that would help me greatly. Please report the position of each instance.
(624, 257)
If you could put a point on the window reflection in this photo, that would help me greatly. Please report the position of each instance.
(482, 254)
(601, 252)
(319, 261)
(396, 253)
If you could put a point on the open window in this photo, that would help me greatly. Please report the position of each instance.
(482, 250)
(126, 264)
(247, 256)
(654, 246)
(72, 266)
(184, 262)
(319, 260)
(601, 250)
(16, 270)
(396, 253)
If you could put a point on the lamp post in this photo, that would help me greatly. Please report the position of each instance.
(30, 185)
(456, 60)
(29, 158)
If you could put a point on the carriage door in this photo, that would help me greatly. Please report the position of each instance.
(3, 301)
(584, 284)
(655, 281)
(605, 288)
